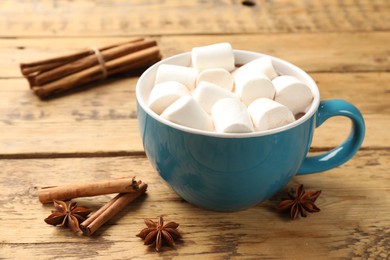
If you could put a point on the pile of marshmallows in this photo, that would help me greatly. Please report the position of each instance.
(214, 95)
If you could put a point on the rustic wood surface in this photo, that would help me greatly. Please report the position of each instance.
(92, 133)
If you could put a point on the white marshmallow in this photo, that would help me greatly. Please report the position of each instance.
(218, 76)
(218, 55)
(231, 116)
(251, 86)
(187, 112)
(164, 94)
(292, 93)
(185, 75)
(206, 94)
(261, 65)
(267, 114)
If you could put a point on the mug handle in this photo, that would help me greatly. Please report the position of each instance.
(344, 152)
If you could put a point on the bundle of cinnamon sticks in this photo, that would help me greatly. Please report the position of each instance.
(55, 75)
(128, 190)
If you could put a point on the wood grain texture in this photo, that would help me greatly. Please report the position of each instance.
(325, 52)
(119, 17)
(102, 119)
(344, 228)
(92, 133)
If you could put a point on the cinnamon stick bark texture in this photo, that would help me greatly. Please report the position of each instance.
(105, 213)
(55, 75)
(67, 192)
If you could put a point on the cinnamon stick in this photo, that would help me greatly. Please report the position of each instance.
(59, 74)
(137, 59)
(67, 192)
(78, 65)
(42, 65)
(110, 209)
(33, 71)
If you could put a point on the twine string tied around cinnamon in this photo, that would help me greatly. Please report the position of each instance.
(101, 61)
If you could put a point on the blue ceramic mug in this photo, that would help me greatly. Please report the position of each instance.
(229, 172)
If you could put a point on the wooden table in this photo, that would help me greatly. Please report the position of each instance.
(92, 134)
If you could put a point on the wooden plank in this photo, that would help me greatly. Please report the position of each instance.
(353, 221)
(62, 124)
(102, 119)
(100, 18)
(325, 52)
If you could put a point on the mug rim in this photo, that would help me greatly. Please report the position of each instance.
(312, 110)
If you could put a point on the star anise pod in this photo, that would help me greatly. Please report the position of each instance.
(159, 233)
(300, 203)
(67, 215)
